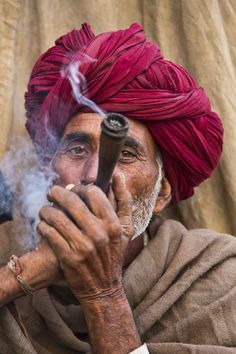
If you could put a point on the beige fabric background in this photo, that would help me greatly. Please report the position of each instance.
(198, 34)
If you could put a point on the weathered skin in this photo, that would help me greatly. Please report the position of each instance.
(90, 251)
(137, 164)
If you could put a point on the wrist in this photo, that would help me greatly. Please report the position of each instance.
(102, 297)
(39, 269)
(110, 323)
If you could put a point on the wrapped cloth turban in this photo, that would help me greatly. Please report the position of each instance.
(126, 73)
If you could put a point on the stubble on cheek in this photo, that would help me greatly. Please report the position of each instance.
(143, 207)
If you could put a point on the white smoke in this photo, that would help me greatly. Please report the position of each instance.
(29, 184)
(79, 84)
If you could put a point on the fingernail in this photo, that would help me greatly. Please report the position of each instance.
(69, 186)
(49, 195)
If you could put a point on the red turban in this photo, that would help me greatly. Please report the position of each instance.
(125, 73)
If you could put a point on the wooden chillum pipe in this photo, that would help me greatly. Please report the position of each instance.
(114, 131)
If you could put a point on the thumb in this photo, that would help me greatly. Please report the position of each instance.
(124, 203)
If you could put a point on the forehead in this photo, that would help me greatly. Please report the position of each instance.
(90, 123)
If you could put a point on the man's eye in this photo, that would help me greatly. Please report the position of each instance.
(77, 150)
(127, 155)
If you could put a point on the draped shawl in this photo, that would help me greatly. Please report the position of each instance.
(181, 288)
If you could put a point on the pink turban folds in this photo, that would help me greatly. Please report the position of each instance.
(125, 73)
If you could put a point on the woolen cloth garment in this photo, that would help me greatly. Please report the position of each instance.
(123, 72)
(181, 288)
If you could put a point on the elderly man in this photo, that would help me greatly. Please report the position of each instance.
(91, 284)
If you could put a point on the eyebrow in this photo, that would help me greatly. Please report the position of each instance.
(76, 136)
(131, 142)
(85, 138)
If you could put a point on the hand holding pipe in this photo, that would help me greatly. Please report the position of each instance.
(114, 130)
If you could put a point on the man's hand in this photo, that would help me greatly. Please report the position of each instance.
(91, 248)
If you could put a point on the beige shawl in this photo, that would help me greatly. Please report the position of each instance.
(181, 287)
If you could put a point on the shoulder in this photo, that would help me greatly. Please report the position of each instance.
(194, 253)
(195, 242)
(199, 252)
(200, 265)
(196, 289)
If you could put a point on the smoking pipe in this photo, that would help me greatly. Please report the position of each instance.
(6, 200)
(114, 130)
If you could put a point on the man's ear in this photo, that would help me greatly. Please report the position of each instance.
(164, 197)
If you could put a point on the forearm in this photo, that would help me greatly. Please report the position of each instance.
(39, 269)
(111, 325)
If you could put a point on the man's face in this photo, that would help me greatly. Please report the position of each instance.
(76, 161)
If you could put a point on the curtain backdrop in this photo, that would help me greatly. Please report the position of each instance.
(199, 34)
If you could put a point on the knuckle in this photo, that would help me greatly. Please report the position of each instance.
(129, 199)
(92, 190)
(71, 200)
(62, 223)
(115, 229)
(101, 239)
(89, 250)
(43, 211)
(128, 226)
(127, 202)
(67, 257)
(54, 190)
(50, 232)
(46, 230)
(74, 204)
(130, 230)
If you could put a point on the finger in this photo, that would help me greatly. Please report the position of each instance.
(122, 195)
(67, 200)
(111, 198)
(80, 213)
(67, 228)
(99, 204)
(61, 248)
(124, 203)
(99, 220)
(96, 200)
(51, 234)
(84, 260)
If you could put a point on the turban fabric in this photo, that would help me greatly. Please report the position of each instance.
(126, 73)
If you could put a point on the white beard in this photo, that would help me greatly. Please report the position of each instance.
(143, 207)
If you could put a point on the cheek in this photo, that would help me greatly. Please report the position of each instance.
(68, 171)
(140, 179)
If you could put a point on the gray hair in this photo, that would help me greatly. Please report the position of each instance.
(159, 163)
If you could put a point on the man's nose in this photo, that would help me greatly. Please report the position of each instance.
(90, 170)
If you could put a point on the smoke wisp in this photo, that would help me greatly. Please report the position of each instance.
(23, 171)
(29, 184)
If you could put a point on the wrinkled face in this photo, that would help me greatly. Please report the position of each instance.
(76, 162)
